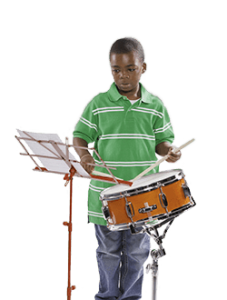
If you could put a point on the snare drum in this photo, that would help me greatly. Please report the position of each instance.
(150, 199)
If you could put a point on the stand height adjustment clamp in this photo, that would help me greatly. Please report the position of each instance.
(156, 254)
(73, 287)
(69, 176)
(70, 225)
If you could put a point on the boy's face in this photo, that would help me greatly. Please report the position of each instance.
(127, 69)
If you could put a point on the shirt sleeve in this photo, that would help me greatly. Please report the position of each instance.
(87, 126)
(162, 127)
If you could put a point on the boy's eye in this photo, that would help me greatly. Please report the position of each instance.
(117, 70)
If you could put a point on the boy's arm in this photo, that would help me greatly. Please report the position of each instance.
(162, 148)
(84, 154)
(82, 143)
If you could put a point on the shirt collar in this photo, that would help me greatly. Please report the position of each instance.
(114, 95)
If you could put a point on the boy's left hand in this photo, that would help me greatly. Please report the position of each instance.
(173, 157)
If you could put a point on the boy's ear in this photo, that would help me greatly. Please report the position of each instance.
(144, 67)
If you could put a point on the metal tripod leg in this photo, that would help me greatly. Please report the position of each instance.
(154, 268)
(156, 254)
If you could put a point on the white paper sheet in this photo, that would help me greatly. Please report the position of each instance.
(46, 149)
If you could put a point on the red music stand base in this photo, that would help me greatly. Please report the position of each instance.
(69, 224)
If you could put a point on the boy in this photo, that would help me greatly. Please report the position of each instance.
(128, 125)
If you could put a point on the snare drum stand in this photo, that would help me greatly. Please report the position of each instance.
(156, 254)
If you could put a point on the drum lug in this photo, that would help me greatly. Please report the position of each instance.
(130, 211)
(106, 212)
(162, 198)
(187, 192)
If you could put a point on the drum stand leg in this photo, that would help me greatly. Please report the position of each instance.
(156, 254)
(154, 268)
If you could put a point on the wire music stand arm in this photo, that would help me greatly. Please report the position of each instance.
(53, 149)
(27, 153)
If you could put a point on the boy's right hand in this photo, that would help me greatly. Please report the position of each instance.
(87, 158)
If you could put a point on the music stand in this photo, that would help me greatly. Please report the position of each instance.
(56, 158)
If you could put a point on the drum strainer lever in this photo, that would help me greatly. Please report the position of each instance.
(147, 209)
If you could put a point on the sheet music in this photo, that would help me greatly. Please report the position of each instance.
(46, 149)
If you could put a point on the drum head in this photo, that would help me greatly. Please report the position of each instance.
(149, 180)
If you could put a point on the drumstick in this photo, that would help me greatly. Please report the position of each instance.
(161, 160)
(103, 174)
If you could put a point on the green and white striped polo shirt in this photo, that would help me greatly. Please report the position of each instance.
(124, 135)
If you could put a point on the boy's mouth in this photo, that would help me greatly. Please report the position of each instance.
(125, 84)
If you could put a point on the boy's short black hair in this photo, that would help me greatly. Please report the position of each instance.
(126, 45)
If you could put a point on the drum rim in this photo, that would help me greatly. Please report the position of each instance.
(153, 186)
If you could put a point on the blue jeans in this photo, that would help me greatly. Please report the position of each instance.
(120, 258)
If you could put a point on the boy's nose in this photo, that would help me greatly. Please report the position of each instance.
(124, 75)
